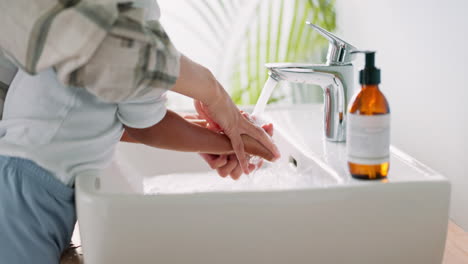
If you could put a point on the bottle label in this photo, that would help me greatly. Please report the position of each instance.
(368, 139)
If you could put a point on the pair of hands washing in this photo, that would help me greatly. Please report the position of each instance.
(214, 105)
(225, 131)
(228, 164)
(193, 134)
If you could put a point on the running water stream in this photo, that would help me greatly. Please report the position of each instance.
(264, 97)
(259, 109)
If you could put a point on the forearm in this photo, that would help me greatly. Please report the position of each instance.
(175, 133)
(197, 82)
(127, 138)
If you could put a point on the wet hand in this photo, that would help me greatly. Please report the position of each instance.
(228, 165)
(224, 116)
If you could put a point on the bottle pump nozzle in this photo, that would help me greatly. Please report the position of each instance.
(370, 74)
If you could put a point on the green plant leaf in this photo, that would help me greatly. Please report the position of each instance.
(264, 40)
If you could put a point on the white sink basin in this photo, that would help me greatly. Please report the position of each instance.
(306, 209)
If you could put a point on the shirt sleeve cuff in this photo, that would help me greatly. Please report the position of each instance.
(139, 120)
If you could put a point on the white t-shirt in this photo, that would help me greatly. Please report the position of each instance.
(67, 130)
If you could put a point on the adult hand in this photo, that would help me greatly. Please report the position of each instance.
(226, 164)
(229, 164)
(224, 116)
(214, 104)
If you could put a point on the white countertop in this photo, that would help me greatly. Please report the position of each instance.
(303, 126)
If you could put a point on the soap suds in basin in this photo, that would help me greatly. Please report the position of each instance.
(272, 176)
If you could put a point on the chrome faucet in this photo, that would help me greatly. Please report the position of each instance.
(336, 77)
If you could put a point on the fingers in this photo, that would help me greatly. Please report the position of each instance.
(263, 138)
(254, 148)
(268, 129)
(229, 167)
(237, 172)
(189, 116)
(238, 147)
(259, 134)
(215, 161)
(232, 168)
(247, 116)
(199, 122)
(252, 167)
(260, 164)
(199, 107)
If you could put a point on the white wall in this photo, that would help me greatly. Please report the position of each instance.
(423, 53)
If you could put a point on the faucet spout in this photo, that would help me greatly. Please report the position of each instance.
(333, 89)
(335, 77)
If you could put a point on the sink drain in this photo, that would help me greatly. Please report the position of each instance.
(292, 162)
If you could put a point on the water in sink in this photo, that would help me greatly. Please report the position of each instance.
(273, 176)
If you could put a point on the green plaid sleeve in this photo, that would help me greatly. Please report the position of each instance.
(103, 46)
(7, 73)
(3, 90)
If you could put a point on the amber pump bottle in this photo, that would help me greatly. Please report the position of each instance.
(368, 126)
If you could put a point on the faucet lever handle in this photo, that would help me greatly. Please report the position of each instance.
(339, 51)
